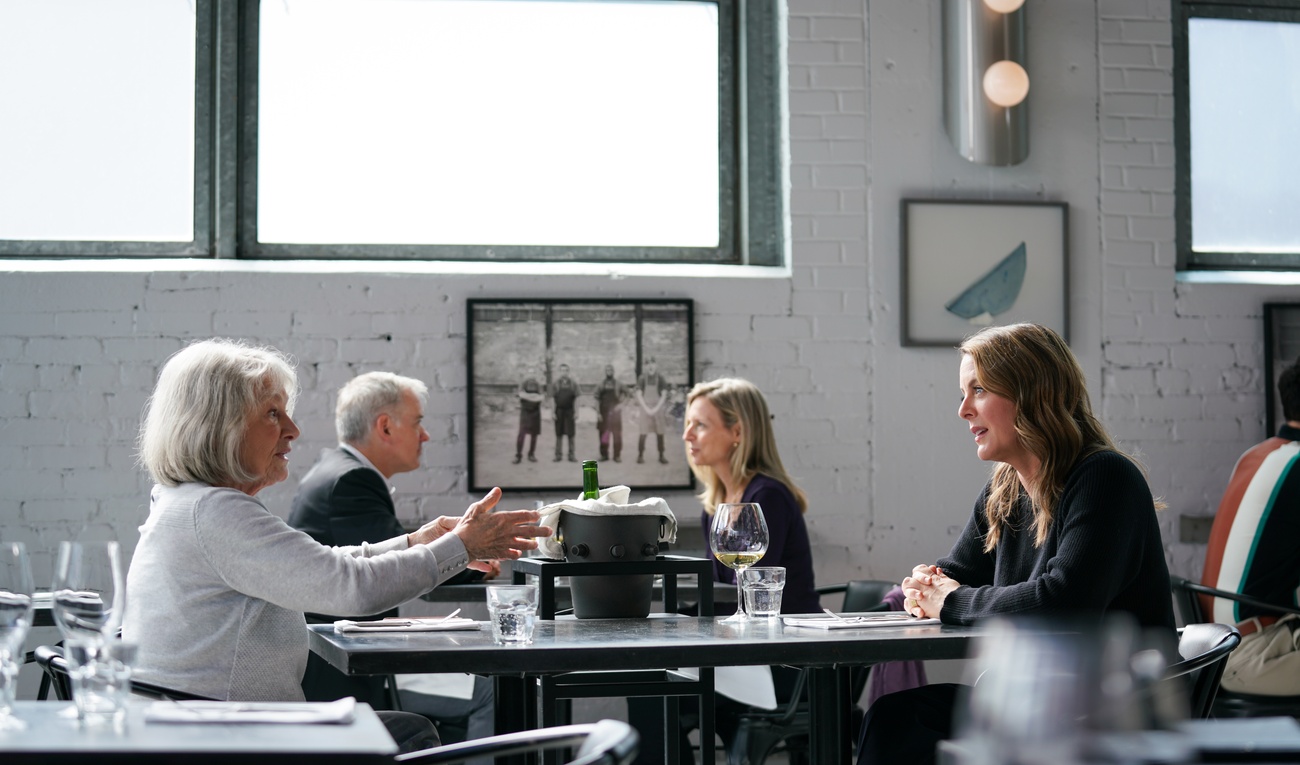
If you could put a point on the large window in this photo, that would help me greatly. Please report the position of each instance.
(97, 141)
(1238, 105)
(597, 130)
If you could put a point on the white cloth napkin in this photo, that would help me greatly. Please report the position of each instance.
(401, 624)
(748, 685)
(612, 501)
(339, 712)
(452, 685)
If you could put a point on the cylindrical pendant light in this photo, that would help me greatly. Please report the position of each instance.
(985, 86)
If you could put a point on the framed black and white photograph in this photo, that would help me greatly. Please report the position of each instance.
(556, 382)
(970, 264)
(1281, 349)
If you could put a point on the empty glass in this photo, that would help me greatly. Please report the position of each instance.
(15, 621)
(89, 591)
(100, 676)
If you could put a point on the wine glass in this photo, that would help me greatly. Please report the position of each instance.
(89, 592)
(738, 537)
(15, 621)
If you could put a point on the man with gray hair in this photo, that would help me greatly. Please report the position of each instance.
(345, 499)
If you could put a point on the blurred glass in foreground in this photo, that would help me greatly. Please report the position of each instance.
(1045, 692)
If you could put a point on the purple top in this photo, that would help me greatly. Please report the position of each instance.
(787, 545)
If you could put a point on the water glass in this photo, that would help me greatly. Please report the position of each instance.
(763, 586)
(100, 675)
(15, 621)
(89, 595)
(513, 611)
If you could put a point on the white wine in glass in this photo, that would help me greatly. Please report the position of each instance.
(738, 538)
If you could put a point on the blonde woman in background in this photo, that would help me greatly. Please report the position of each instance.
(731, 448)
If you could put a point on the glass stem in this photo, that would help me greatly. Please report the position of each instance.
(740, 595)
(8, 682)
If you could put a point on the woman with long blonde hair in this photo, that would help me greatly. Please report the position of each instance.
(731, 448)
(1066, 525)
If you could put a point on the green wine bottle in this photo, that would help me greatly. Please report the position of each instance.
(590, 484)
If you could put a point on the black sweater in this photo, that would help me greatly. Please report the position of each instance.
(1103, 553)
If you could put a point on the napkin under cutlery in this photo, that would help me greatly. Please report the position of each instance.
(432, 624)
(339, 712)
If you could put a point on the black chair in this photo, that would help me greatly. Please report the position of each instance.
(762, 733)
(1205, 649)
(556, 692)
(51, 661)
(1187, 599)
(608, 742)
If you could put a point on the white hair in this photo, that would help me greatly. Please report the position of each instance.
(195, 422)
(367, 396)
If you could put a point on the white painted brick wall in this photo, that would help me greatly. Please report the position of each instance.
(867, 426)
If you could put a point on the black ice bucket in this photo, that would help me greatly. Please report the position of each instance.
(610, 539)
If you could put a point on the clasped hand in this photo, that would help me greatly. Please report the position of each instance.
(925, 590)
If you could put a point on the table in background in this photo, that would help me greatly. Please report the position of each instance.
(50, 739)
(654, 643)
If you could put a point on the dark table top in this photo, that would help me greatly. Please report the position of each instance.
(51, 737)
(569, 645)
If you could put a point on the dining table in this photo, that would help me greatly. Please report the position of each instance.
(50, 734)
(657, 642)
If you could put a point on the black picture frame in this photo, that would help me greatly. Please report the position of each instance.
(1281, 349)
(512, 340)
(952, 246)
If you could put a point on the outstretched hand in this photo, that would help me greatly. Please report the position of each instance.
(497, 536)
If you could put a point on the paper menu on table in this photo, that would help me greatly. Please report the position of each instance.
(889, 619)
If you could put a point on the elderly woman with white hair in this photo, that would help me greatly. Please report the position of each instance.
(218, 584)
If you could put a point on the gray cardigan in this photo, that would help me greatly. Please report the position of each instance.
(218, 586)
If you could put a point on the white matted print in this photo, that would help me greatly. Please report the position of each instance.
(970, 264)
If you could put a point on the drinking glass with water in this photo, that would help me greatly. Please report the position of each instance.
(763, 586)
(512, 609)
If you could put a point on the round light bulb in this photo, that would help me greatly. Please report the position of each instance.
(1004, 6)
(1006, 83)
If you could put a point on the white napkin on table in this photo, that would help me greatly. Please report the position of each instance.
(401, 624)
(339, 712)
(612, 501)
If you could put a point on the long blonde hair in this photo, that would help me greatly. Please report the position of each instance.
(1033, 367)
(740, 401)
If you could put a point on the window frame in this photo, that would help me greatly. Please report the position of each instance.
(201, 245)
(1183, 12)
(752, 199)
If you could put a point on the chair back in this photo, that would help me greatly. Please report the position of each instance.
(607, 742)
(1186, 602)
(52, 662)
(50, 659)
(1204, 648)
(759, 732)
(866, 595)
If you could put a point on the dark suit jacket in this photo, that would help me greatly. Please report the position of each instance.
(341, 501)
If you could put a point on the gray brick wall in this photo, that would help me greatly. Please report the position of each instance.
(868, 427)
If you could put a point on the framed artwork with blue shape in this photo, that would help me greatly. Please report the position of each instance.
(968, 264)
